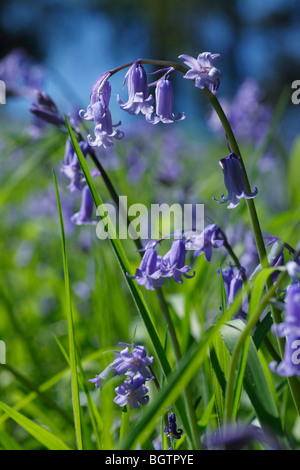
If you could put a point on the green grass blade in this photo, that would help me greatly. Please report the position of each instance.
(72, 349)
(255, 381)
(93, 412)
(41, 434)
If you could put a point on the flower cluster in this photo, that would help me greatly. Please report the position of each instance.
(140, 101)
(133, 362)
(154, 268)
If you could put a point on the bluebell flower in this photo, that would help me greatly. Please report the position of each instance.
(148, 274)
(45, 108)
(202, 70)
(132, 392)
(233, 283)
(234, 180)
(128, 363)
(104, 96)
(211, 237)
(98, 111)
(139, 99)
(173, 262)
(172, 432)
(84, 216)
(104, 129)
(71, 166)
(290, 366)
(164, 96)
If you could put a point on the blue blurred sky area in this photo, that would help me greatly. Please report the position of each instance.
(79, 40)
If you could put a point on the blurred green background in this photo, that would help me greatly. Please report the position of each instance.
(75, 42)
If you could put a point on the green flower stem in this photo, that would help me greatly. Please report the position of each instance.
(293, 383)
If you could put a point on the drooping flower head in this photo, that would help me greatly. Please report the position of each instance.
(99, 112)
(71, 166)
(234, 180)
(139, 99)
(164, 96)
(233, 283)
(173, 262)
(133, 362)
(85, 214)
(172, 432)
(148, 274)
(103, 96)
(202, 70)
(127, 362)
(132, 392)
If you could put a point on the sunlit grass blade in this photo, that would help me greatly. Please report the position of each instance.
(72, 349)
(41, 434)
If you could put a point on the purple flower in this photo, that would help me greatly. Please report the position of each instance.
(104, 96)
(99, 112)
(84, 216)
(104, 132)
(173, 262)
(71, 166)
(148, 273)
(291, 325)
(211, 237)
(172, 432)
(234, 181)
(133, 392)
(128, 363)
(233, 283)
(46, 109)
(202, 70)
(164, 103)
(139, 99)
(290, 366)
